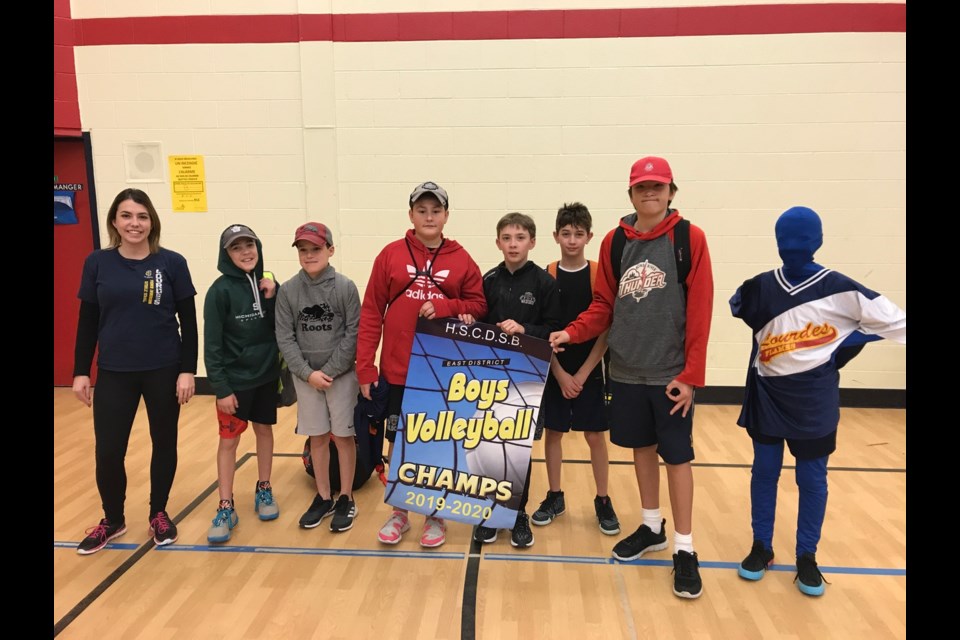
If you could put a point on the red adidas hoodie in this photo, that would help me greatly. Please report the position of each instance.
(460, 291)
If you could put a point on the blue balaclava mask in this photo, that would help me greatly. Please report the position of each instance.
(799, 235)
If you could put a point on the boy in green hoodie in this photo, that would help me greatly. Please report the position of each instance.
(243, 367)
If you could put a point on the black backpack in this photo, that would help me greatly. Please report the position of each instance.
(681, 251)
(360, 476)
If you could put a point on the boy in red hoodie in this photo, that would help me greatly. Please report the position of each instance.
(424, 274)
(658, 330)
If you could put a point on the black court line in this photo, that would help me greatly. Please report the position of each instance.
(739, 465)
(117, 573)
(707, 465)
(468, 610)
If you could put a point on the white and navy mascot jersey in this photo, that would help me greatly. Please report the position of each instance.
(793, 380)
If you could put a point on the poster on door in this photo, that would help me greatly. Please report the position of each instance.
(64, 202)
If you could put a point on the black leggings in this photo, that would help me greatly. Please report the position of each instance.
(526, 490)
(115, 402)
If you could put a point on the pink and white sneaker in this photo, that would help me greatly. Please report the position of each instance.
(394, 528)
(434, 532)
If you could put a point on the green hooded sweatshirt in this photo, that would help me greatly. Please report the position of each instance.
(240, 346)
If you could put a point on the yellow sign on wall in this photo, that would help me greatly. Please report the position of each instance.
(188, 185)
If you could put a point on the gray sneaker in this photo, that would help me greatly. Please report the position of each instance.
(343, 514)
(265, 505)
(223, 524)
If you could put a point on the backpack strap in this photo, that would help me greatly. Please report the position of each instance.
(594, 267)
(616, 251)
(681, 251)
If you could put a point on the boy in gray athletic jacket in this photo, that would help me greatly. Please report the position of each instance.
(318, 314)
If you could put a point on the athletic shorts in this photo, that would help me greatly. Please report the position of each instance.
(802, 449)
(320, 412)
(255, 405)
(586, 412)
(640, 417)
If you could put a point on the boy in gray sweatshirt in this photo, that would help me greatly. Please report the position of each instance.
(318, 313)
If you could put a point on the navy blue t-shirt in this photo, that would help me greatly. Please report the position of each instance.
(137, 298)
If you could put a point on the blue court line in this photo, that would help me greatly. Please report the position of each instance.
(117, 546)
(312, 551)
(505, 557)
(704, 564)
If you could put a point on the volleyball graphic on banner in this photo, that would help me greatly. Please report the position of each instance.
(507, 459)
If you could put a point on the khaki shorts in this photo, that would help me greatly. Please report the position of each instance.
(328, 411)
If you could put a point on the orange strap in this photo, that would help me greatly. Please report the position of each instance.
(552, 270)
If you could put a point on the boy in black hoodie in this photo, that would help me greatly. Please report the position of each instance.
(521, 298)
(243, 367)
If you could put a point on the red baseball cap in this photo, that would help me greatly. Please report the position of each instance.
(650, 168)
(315, 232)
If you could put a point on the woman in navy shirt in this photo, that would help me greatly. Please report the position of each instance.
(137, 305)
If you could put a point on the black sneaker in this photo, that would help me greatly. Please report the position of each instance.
(162, 529)
(551, 507)
(98, 537)
(686, 575)
(485, 534)
(521, 536)
(606, 516)
(319, 509)
(756, 564)
(343, 514)
(641, 541)
(809, 579)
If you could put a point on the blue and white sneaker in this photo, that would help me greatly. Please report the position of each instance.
(223, 523)
(265, 505)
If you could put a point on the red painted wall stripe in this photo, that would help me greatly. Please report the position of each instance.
(66, 108)
(496, 25)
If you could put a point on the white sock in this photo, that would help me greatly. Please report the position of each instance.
(683, 542)
(653, 519)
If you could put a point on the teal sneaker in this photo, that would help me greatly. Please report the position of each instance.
(265, 506)
(223, 523)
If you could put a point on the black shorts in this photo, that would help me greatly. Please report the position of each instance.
(258, 404)
(801, 449)
(394, 409)
(640, 417)
(586, 412)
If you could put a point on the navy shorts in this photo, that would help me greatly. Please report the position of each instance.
(802, 449)
(640, 417)
(586, 412)
(255, 405)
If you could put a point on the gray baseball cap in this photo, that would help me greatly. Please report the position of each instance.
(431, 188)
(235, 231)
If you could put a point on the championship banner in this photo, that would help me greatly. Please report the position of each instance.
(467, 422)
